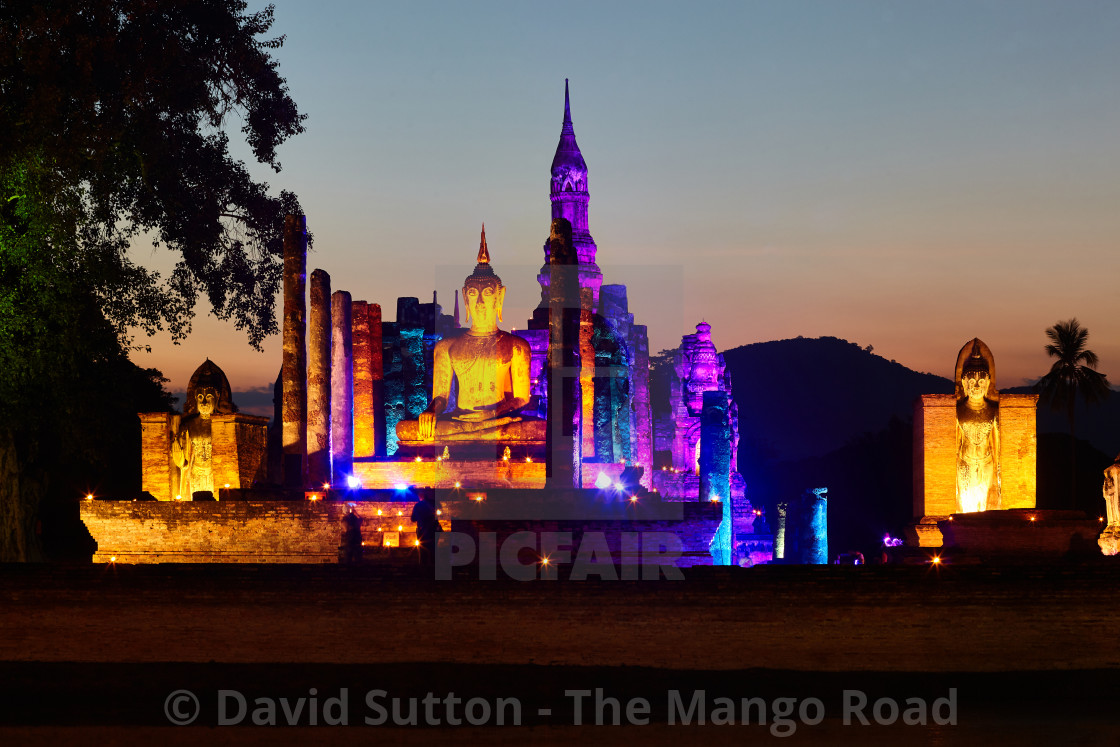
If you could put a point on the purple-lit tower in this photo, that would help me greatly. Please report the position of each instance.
(700, 379)
(570, 199)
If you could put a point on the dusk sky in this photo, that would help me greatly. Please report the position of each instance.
(899, 174)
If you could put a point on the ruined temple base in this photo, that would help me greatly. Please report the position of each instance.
(489, 473)
(1021, 535)
(241, 531)
(310, 531)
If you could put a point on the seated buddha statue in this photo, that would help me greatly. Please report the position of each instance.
(489, 367)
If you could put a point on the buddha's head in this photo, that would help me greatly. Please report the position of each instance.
(208, 393)
(975, 373)
(975, 378)
(206, 399)
(483, 292)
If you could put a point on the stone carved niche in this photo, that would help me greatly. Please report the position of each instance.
(206, 448)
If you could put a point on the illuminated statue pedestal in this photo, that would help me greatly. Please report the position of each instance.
(448, 474)
(1021, 535)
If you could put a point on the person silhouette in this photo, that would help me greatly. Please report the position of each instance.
(426, 517)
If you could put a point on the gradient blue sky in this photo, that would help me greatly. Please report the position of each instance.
(906, 175)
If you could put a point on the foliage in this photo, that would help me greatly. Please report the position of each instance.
(111, 120)
(112, 132)
(1071, 374)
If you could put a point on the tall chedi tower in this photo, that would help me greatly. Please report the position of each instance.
(569, 200)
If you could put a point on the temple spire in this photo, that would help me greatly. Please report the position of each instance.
(567, 129)
(483, 252)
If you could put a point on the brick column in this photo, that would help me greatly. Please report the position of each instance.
(563, 438)
(364, 428)
(342, 387)
(319, 381)
(377, 379)
(294, 372)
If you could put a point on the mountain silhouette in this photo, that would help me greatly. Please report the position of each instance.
(805, 397)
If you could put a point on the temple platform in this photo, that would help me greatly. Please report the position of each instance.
(236, 530)
(1021, 535)
(491, 473)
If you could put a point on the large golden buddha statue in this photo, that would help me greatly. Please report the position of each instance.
(192, 449)
(978, 473)
(489, 367)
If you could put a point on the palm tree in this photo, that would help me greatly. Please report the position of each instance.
(1072, 373)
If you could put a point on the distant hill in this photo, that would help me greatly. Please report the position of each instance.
(807, 397)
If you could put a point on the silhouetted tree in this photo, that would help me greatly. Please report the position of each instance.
(1071, 374)
(112, 130)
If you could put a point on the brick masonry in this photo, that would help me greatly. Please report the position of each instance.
(310, 531)
(239, 446)
(935, 453)
(234, 531)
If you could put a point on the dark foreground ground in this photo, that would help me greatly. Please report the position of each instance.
(1017, 655)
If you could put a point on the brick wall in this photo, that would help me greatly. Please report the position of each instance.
(239, 447)
(235, 531)
(1018, 449)
(935, 453)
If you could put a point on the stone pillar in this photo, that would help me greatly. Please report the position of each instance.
(342, 388)
(814, 521)
(319, 381)
(643, 420)
(563, 440)
(780, 532)
(377, 378)
(715, 448)
(715, 471)
(294, 372)
(586, 373)
(602, 431)
(363, 382)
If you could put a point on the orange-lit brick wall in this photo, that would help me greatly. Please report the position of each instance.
(239, 446)
(935, 453)
(235, 531)
(1018, 449)
(156, 470)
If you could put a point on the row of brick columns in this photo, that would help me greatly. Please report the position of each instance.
(331, 378)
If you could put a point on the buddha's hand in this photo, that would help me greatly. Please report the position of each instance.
(427, 426)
